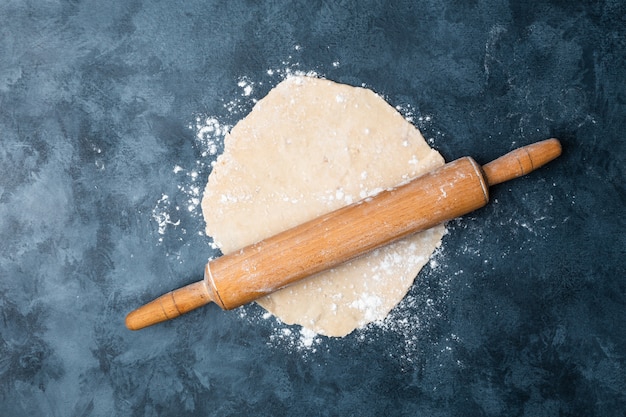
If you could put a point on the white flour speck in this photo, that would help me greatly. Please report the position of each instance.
(307, 337)
(209, 134)
(246, 86)
(160, 213)
(368, 304)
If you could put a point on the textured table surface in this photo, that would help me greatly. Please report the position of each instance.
(112, 112)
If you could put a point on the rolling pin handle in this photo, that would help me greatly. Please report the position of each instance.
(169, 306)
(521, 161)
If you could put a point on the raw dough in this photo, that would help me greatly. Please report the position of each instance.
(309, 147)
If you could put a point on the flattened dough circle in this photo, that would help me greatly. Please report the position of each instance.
(309, 147)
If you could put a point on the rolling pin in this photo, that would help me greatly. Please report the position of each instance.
(445, 193)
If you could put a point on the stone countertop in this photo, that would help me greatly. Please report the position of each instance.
(112, 112)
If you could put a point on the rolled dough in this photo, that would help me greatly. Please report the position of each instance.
(309, 147)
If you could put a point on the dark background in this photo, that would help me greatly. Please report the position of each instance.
(521, 312)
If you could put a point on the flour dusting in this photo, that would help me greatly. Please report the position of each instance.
(161, 214)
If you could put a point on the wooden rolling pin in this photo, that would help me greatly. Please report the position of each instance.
(450, 191)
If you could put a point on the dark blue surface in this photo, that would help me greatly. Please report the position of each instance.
(522, 314)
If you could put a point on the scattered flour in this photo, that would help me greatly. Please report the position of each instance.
(170, 209)
(161, 214)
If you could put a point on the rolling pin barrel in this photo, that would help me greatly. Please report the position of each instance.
(324, 242)
(450, 191)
